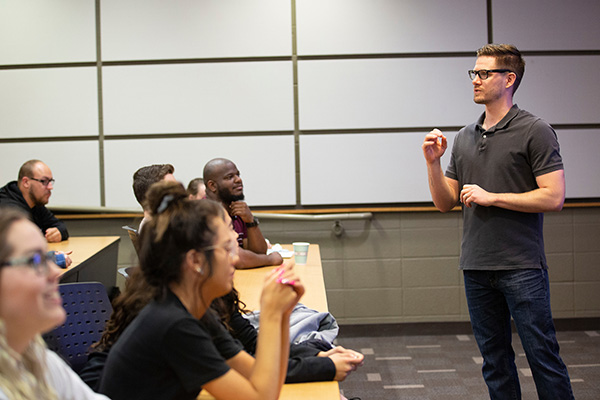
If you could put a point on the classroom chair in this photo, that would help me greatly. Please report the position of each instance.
(88, 308)
(134, 236)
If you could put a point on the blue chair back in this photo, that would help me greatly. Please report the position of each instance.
(88, 308)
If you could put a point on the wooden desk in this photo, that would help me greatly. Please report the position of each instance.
(249, 283)
(300, 391)
(94, 259)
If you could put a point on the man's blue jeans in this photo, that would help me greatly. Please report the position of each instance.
(493, 297)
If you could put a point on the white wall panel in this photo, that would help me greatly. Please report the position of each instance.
(266, 165)
(385, 93)
(48, 102)
(157, 29)
(562, 90)
(389, 26)
(547, 24)
(334, 94)
(41, 31)
(579, 149)
(74, 165)
(198, 98)
(365, 168)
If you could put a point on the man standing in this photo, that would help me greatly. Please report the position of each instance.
(224, 184)
(31, 194)
(506, 170)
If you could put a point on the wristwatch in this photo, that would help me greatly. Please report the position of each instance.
(253, 223)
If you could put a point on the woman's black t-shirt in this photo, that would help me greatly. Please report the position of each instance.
(166, 353)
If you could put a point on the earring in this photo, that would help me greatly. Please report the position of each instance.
(200, 271)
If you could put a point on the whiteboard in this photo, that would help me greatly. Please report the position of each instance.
(547, 24)
(561, 90)
(41, 31)
(220, 97)
(175, 29)
(389, 26)
(365, 168)
(579, 149)
(48, 102)
(340, 124)
(74, 165)
(385, 93)
(266, 165)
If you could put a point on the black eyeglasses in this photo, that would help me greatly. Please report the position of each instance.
(44, 181)
(38, 262)
(484, 73)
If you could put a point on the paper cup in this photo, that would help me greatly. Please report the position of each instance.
(300, 252)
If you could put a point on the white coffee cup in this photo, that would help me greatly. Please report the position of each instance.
(300, 252)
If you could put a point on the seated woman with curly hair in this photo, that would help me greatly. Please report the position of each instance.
(176, 346)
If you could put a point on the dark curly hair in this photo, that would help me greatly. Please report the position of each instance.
(126, 307)
(228, 305)
(177, 226)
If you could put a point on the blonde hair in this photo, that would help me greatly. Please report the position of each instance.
(24, 378)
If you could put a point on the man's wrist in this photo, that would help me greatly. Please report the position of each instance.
(252, 224)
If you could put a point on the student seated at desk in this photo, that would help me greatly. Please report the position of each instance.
(224, 184)
(310, 361)
(30, 194)
(30, 304)
(145, 177)
(175, 347)
(197, 189)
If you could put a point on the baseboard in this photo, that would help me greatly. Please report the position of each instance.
(407, 328)
(450, 328)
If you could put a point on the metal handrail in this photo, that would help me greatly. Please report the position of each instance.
(315, 217)
(261, 215)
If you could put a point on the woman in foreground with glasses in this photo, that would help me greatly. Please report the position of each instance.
(30, 304)
(176, 346)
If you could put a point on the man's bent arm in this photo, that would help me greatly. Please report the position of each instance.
(249, 259)
(549, 196)
(256, 241)
(45, 219)
(444, 190)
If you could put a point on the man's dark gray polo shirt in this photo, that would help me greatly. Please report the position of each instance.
(505, 159)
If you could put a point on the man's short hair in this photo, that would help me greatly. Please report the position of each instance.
(26, 169)
(193, 186)
(211, 167)
(144, 177)
(507, 57)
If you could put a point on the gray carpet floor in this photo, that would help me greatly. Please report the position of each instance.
(448, 366)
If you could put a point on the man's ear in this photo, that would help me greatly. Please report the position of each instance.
(211, 185)
(25, 182)
(511, 78)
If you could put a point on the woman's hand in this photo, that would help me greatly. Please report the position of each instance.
(282, 290)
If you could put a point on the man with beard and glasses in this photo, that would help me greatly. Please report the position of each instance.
(31, 193)
(224, 184)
